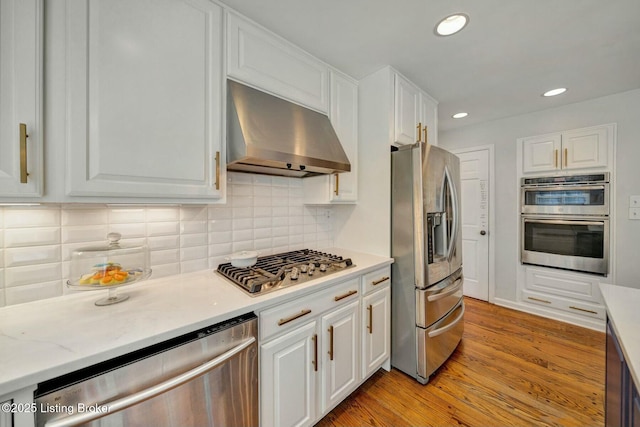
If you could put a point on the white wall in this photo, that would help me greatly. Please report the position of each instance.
(623, 109)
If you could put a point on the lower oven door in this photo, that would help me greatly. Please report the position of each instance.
(436, 343)
(572, 243)
(435, 301)
(206, 378)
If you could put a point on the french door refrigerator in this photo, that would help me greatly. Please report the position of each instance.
(426, 244)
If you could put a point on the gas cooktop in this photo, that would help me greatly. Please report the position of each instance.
(278, 271)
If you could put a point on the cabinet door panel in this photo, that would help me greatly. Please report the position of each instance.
(406, 111)
(586, 148)
(20, 96)
(340, 354)
(288, 378)
(541, 153)
(257, 57)
(376, 343)
(144, 97)
(344, 118)
(429, 119)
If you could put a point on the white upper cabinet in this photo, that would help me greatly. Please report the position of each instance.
(144, 99)
(541, 153)
(408, 129)
(21, 58)
(261, 59)
(415, 114)
(429, 119)
(588, 148)
(343, 113)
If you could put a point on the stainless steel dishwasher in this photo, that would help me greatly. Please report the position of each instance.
(205, 378)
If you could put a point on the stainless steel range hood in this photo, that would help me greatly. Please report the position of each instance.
(269, 135)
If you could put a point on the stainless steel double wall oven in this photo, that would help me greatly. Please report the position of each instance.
(565, 222)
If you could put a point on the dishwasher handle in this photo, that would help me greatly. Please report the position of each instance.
(158, 389)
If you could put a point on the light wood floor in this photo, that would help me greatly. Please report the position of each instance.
(511, 369)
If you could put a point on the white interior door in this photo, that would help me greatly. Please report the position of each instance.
(474, 174)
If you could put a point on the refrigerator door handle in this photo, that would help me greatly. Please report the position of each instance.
(455, 288)
(454, 213)
(450, 326)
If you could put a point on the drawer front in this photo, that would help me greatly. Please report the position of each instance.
(377, 279)
(579, 308)
(563, 284)
(286, 316)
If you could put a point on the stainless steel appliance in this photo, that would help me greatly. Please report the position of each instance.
(205, 378)
(565, 222)
(568, 242)
(270, 135)
(426, 244)
(273, 272)
(586, 194)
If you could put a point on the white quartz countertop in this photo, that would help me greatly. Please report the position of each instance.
(623, 310)
(45, 339)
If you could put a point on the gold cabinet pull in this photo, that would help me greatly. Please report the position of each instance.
(315, 352)
(348, 294)
(23, 153)
(294, 317)
(217, 170)
(583, 309)
(330, 342)
(555, 162)
(539, 300)
(566, 156)
(426, 137)
(419, 129)
(377, 282)
(337, 189)
(370, 325)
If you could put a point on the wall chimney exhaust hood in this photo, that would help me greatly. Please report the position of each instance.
(269, 135)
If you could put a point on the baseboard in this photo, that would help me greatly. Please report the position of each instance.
(595, 324)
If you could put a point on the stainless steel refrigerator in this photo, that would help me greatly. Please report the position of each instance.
(426, 244)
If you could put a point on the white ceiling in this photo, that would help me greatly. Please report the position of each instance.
(498, 66)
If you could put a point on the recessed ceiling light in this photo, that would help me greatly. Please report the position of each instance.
(460, 115)
(451, 24)
(554, 92)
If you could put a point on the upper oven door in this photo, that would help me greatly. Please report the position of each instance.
(590, 199)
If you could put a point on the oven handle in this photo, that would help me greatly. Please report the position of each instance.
(563, 188)
(141, 396)
(450, 326)
(565, 222)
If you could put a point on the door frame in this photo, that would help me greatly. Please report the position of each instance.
(492, 223)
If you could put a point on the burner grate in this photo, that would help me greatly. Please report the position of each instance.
(271, 271)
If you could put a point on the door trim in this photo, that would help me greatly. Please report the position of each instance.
(492, 210)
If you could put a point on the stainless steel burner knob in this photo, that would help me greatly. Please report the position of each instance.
(323, 267)
(294, 273)
(312, 269)
(303, 268)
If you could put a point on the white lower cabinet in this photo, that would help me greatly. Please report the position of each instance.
(574, 294)
(340, 351)
(288, 378)
(376, 343)
(311, 350)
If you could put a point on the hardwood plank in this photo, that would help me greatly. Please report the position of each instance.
(511, 368)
